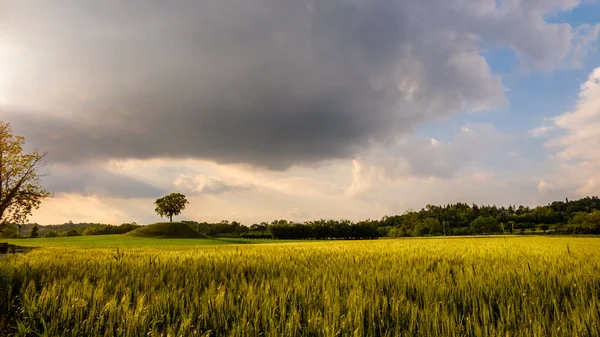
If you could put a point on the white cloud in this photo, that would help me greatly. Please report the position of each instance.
(193, 183)
(540, 131)
(576, 144)
(417, 157)
(78, 208)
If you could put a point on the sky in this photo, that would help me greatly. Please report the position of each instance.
(267, 109)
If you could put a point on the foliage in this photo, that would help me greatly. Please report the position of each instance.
(59, 228)
(126, 241)
(9, 231)
(257, 236)
(396, 232)
(51, 234)
(35, 231)
(323, 229)
(167, 230)
(584, 223)
(110, 229)
(457, 218)
(433, 226)
(484, 224)
(170, 205)
(259, 227)
(460, 231)
(223, 228)
(72, 232)
(522, 286)
(20, 187)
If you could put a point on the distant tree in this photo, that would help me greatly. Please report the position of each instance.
(72, 232)
(584, 223)
(434, 226)
(127, 227)
(445, 224)
(384, 231)
(92, 231)
(411, 222)
(10, 231)
(422, 229)
(170, 205)
(512, 226)
(20, 187)
(51, 234)
(484, 224)
(544, 227)
(34, 231)
(259, 227)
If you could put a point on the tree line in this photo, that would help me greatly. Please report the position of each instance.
(564, 217)
(323, 229)
(560, 217)
(34, 230)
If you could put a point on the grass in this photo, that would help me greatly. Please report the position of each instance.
(518, 286)
(123, 241)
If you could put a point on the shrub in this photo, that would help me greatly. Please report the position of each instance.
(484, 224)
(73, 232)
(10, 231)
(397, 232)
(51, 234)
(91, 231)
(460, 231)
(257, 236)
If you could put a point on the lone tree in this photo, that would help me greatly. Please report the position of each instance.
(170, 205)
(20, 187)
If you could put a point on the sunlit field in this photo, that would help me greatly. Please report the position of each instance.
(123, 241)
(518, 286)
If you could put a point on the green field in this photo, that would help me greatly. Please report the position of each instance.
(115, 241)
(518, 286)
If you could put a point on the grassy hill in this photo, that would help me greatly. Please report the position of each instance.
(166, 230)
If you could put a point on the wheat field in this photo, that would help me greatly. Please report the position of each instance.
(533, 286)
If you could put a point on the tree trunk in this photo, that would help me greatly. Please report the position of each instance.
(170, 217)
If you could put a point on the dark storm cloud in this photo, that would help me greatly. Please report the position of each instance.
(265, 82)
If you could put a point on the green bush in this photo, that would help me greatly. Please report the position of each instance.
(10, 231)
(484, 224)
(73, 232)
(51, 234)
(460, 231)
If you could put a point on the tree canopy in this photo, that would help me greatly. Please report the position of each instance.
(170, 205)
(20, 186)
